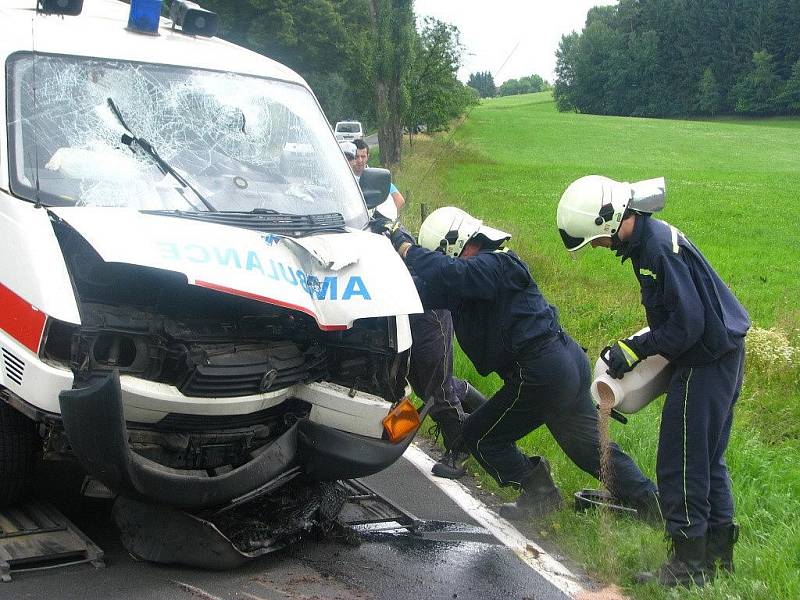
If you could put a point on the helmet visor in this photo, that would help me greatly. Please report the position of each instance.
(572, 243)
(492, 234)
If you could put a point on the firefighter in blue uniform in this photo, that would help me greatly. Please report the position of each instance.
(699, 326)
(430, 366)
(505, 325)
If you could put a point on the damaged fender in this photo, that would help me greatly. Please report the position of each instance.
(95, 425)
(94, 422)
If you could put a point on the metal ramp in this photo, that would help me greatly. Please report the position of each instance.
(366, 510)
(373, 516)
(36, 536)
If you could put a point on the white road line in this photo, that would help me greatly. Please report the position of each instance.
(195, 591)
(529, 552)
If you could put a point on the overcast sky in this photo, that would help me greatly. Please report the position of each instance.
(490, 29)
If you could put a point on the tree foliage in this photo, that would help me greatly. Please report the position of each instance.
(436, 94)
(326, 41)
(523, 85)
(679, 57)
(364, 59)
(392, 55)
(789, 98)
(757, 87)
(565, 86)
(708, 98)
(483, 82)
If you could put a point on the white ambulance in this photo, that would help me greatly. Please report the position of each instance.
(189, 306)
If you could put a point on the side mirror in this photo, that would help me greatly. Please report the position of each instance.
(375, 186)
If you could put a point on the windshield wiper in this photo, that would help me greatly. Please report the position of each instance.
(266, 220)
(149, 150)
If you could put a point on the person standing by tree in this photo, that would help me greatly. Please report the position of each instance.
(362, 162)
(699, 326)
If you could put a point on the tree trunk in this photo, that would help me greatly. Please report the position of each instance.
(391, 46)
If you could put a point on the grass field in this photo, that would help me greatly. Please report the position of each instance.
(733, 187)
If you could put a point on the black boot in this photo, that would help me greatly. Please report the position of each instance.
(719, 547)
(539, 494)
(473, 399)
(686, 565)
(452, 464)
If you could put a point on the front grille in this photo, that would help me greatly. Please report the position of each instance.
(14, 367)
(197, 423)
(225, 371)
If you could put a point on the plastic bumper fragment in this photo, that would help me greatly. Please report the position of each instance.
(328, 454)
(95, 425)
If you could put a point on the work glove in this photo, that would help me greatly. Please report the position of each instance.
(621, 357)
(380, 225)
(396, 234)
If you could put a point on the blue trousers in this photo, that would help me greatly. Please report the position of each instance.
(430, 372)
(548, 385)
(693, 479)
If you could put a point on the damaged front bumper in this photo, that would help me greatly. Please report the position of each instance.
(95, 425)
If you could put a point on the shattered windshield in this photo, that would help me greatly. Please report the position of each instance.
(242, 143)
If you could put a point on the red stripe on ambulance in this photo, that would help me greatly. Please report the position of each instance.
(21, 320)
(267, 300)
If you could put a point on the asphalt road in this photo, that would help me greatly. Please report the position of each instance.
(467, 563)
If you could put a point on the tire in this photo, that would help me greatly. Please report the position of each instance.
(18, 441)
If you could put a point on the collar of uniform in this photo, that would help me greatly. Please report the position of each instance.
(631, 246)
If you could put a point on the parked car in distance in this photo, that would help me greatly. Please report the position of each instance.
(348, 131)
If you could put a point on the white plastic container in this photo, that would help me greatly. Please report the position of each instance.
(638, 388)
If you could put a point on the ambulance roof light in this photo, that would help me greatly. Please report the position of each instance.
(192, 19)
(144, 16)
(60, 7)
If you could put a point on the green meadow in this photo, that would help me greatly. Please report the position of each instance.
(733, 187)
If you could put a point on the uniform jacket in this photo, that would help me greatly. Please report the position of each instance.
(496, 306)
(693, 317)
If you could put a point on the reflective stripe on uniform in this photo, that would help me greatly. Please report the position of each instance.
(630, 355)
(505, 412)
(444, 367)
(675, 247)
(685, 440)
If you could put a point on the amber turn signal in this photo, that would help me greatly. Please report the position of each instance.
(401, 420)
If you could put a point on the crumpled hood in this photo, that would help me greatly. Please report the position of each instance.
(336, 278)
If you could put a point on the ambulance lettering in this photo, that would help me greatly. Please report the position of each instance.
(328, 288)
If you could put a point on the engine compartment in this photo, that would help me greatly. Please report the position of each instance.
(151, 324)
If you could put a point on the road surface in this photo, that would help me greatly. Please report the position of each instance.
(467, 564)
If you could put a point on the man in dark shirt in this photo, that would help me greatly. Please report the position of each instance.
(699, 326)
(505, 325)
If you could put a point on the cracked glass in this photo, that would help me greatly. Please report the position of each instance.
(245, 143)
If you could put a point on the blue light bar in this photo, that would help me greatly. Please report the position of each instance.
(144, 16)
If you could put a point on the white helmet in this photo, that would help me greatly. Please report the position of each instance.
(592, 207)
(448, 229)
(348, 149)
